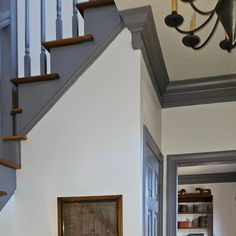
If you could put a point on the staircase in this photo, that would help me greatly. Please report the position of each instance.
(26, 100)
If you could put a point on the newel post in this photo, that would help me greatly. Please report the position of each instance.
(8, 70)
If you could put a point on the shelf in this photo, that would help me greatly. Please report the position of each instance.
(195, 213)
(193, 198)
(193, 228)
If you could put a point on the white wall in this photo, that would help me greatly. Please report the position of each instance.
(193, 129)
(200, 128)
(88, 144)
(7, 219)
(224, 206)
(150, 106)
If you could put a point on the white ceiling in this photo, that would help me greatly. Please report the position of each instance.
(207, 169)
(181, 62)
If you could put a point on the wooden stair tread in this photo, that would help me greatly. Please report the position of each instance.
(10, 164)
(93, 4)
(2, 194)
(15, 111)
(68, 41)
(14, 138)
(36, 78)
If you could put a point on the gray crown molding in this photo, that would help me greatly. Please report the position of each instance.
(207, 90)
(141, 23)
(191, 159)
(200, 91)
(207, 178)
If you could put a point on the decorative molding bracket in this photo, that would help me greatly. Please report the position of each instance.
(141, 23)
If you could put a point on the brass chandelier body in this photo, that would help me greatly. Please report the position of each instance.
(226, 14)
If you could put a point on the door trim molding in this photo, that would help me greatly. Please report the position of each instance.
(192, 159)
(207, 178)
(149, 141)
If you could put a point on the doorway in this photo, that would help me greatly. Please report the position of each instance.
(190, 182)
(152, 186)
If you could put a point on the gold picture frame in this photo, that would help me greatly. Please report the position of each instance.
(90, 216)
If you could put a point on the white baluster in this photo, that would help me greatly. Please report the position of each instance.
(27, 59)
(59, 21)
(43, 56)
(75, 20)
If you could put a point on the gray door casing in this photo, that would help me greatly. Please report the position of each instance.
(191, 159)
(152, 186)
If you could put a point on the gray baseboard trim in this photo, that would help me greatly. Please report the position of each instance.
(207, 178)
(190, 159)
(141, 23)
(200, 91)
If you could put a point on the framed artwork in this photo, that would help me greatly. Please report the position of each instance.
(90, 216)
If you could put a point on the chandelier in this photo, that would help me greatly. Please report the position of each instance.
(225, 10)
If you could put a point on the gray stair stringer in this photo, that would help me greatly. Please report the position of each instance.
(7, 183)
(69, 62)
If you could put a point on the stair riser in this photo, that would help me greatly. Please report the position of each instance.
(10, 151)
(70, 62)
(7, 184)
(101, 20)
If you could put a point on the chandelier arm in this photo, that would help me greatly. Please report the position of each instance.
(200, 11)
(198, 28)
(209, 37)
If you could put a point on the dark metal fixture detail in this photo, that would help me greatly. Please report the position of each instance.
(225, 11)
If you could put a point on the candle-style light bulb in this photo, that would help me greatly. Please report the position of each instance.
(174, 5)
(193, 22)
(226, 36)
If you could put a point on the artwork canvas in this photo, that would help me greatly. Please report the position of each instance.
(90, 216)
